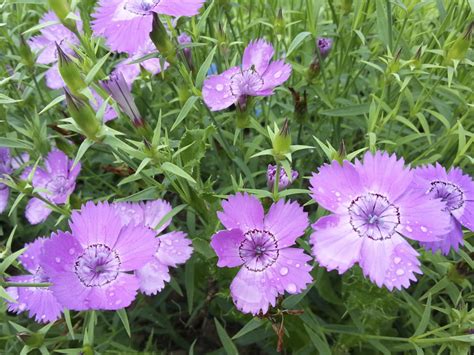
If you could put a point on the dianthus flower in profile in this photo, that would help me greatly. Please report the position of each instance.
(283, 181)
(44, 45)
(173, 248)
(55, 182)
(324, 46)
(126, 24)
(257, 76)
(5, 169)
(373, 208)
(39, 301)
(262, 245)
(93, 266)
(456, 191)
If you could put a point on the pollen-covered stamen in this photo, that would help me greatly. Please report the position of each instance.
(258, 250)
(246, 82)
(98, 265)
(140, 7)
(58, 185)
(373, 216)
(449, 193)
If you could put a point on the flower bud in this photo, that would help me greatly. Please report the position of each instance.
(283, 180)
(119, 90)
(324, 46)
(33, 340)
(184, 39)
(282, 142)
(161, 40)
(346, 6)
(313, 70)
(279, 25)
(341, 154)
(62, 8)
(70, 72)
(25, 53)
(460, 47)
(83, 114)
(301, 105)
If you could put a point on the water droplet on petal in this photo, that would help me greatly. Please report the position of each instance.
(277, 74)
(297, 265)
(424, 229)
(397, 260)
(400, 272)
(168, 242)
(118, 302)
(408, 228)
(291, 288)
(284, 271)
(219, 87)
(58, 260)
(43, 316)
(337, 193)
(72, 251)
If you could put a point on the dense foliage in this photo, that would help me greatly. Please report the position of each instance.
(393, 76)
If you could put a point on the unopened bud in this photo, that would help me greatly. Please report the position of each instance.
(324, 46)
(83, 114)
(341, 153)
(301, 105)
(460, 47)
(119, 90)
(161, 40)
(184, 39)
(33, 340)
(62, 9)
(70, 72)
(279, 24)
(282, 142)
(25, 53)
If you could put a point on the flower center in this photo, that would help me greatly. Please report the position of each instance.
(58, 185)
(247, 82)
(98, 265)
(258, 250)
(140, 7)
(449, 193)
(373, 216)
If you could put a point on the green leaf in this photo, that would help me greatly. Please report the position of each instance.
(425, 318)
(205, 67)
(347, 111)
(176, 170)
(53, 103)
(320, 343)
(5, 100)
(297, 41)
(15, 143)
(122, 313)
(184, 111)
(96, 68)
(229, 346)
(249, 327)
(189, 283)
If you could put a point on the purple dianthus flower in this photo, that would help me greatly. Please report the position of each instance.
(373, 207)
(93, 266)
(456, 191)
(39, 301)
(262, 245)
(283, 181)
(126, 24)
(173, 248)
(257, 76)
(57, 182)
